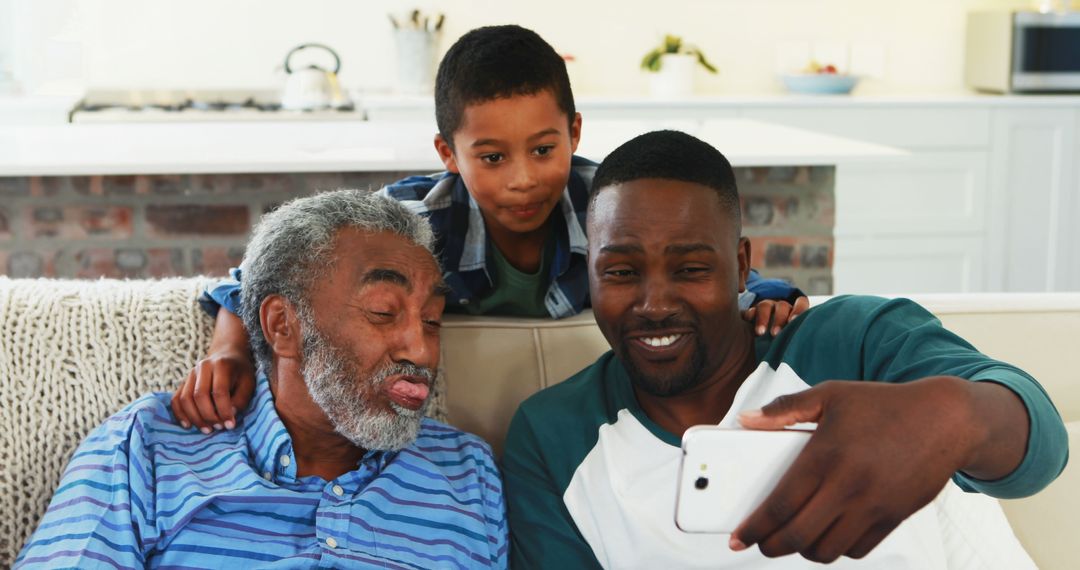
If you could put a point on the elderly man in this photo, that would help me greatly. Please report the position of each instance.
(591, 464)
(335, 464)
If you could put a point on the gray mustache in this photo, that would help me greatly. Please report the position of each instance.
(404, 369)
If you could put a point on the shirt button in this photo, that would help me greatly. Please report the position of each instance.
(267, 475)
(331, 542)
(285, 461)
(463, 302)
(338, 490)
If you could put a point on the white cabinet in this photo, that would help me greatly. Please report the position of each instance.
(909, 225)
(1035, 197)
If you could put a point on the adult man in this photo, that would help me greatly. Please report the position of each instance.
(335, 464)
(590, 464)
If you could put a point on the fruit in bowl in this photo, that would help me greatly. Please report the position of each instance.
(818, 79)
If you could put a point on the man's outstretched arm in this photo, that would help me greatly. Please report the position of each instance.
(883, 450)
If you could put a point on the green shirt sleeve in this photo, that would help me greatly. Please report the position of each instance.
(900, 341)
(542, 533)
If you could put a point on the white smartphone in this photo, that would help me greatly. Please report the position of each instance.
(727, 473)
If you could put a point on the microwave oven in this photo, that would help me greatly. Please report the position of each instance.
(1023, 52)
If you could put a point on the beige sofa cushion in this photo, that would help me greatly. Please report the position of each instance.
(74, 352)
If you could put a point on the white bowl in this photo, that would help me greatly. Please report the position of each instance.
(820, 83)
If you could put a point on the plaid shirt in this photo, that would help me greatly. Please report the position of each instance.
(462, 245)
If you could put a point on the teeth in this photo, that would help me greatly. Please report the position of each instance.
(659, 341)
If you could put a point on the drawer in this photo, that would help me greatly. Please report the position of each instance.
(905, 127)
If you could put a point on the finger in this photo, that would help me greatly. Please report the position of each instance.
(178, 410)
(220, 389)
(871, 539)
(187, 402)
(800, 307)
(792, 492)
(836, 540)
(763, 316)
(203, 397)
(786, 410)
(781, 317)
(806, 528)
(243, 392)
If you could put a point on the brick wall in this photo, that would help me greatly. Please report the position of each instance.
(176, 224)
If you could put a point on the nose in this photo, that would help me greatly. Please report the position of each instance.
(414, 344)
(658, 300)
(522, 176)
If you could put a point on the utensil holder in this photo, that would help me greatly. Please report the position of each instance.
(416, 60)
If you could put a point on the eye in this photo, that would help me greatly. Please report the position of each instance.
(492, 158)
(433, 323)
(544, 150)
(380, 316)
(620, 273)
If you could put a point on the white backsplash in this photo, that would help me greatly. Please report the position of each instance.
(915, 45)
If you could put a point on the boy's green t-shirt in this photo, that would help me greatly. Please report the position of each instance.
(516, 293)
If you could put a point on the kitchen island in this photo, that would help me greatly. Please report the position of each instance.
(153, 200)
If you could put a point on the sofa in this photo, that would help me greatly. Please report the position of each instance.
(74, 352)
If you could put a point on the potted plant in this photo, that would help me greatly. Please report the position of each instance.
(672, 67)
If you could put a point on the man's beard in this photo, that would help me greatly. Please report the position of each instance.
(349, 399)
(674, 381)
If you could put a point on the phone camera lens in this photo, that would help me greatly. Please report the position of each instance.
(701, 483)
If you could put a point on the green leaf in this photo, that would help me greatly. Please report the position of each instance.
(651, 61)
(701, 59)
(672, 44)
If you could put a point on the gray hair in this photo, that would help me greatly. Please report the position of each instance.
(291, 248)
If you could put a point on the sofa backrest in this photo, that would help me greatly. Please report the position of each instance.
(492, 364)
(74, 352)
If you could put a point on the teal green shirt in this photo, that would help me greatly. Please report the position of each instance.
(516, 293)
(590, 479)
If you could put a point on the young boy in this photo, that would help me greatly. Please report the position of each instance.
(508, 213)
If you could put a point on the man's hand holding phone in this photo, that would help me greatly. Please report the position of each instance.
(880, 453)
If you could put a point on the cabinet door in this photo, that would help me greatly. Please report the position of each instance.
(929, 193)
(1034, 202)
(908, 265)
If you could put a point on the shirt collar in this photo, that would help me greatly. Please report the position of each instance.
(271, 445)
(268, 440)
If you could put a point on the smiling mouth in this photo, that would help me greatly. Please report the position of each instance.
(662, 346)
(660, 341)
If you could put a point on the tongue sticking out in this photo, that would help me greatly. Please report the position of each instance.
(409, 391)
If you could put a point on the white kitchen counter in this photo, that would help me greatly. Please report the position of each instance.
(378, 105)
(336, 146)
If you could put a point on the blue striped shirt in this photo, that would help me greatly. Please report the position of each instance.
(140, 491)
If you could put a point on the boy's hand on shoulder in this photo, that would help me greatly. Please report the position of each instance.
(214, 390)
(775, 314)
(881, 452)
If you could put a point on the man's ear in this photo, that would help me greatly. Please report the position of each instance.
(281, 327)
(744, 262)
(575, 132)
(446, 154)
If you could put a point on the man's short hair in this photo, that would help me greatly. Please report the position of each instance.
(291, 248)
(671, 155)
(493, 62)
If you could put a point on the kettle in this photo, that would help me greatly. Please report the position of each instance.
(312, 87)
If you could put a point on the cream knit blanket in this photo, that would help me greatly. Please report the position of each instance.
(71, 354)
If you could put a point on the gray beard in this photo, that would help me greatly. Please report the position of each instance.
(347, 398)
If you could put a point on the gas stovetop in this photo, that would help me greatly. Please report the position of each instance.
(176, 106)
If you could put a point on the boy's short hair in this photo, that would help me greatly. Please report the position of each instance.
(497, 61)
(671, 155)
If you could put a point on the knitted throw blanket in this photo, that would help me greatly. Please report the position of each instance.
(73, 353)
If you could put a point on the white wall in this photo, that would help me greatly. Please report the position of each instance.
(239, 43)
